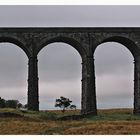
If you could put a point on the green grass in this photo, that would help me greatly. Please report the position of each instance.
(107, 114)
(114, 114)
(17, 111)
(41, 115)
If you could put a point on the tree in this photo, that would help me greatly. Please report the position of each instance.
(19, 105)
(12, 103)
(25, 106)
(2, 103)
(73, 107)
(63, 103)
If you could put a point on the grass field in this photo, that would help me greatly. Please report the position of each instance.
(111, 121)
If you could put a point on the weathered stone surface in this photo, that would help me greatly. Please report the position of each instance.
(85, 41)
(33, 101)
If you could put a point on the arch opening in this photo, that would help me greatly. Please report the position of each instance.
(15, 42)
(70, 41)
(59, 74)
(129, 44)
(114, 76)
(13, 73)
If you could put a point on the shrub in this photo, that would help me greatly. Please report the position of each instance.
(12, 103)
(64, 103)
(2, 103)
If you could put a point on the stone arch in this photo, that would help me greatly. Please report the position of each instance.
(16, 42)
(128, 43)
(74, 43)
(82, 52)
(135, 51)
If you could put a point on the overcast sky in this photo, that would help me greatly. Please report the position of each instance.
(60, 64)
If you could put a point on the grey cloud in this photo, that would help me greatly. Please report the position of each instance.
(59, 61)
(16, 93)
(69, 16)
(48, 103)
(115, 101)
(50, 91)
(13, 66)
(114, 84)
(13, 73)
(113, 57)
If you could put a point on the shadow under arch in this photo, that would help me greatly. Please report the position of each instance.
(72, 42)
(132, 47)
(16, 42)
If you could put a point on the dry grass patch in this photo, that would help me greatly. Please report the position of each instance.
(21, 126)
(106, 127)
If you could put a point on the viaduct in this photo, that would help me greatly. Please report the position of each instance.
(85, 40)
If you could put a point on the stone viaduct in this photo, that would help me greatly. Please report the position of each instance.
(85, 41)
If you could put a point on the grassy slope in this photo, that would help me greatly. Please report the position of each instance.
(112, 121)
